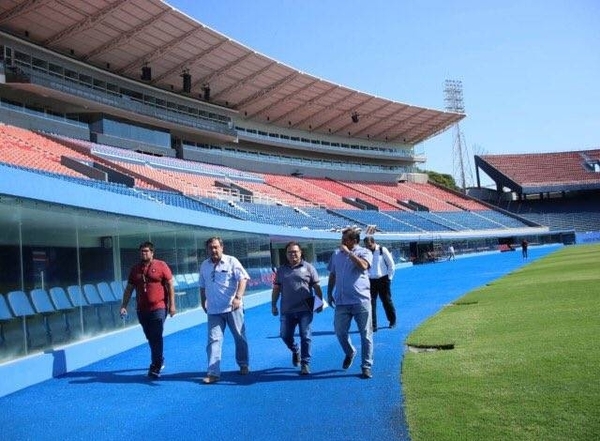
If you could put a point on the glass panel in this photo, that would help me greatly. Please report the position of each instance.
(40, 64)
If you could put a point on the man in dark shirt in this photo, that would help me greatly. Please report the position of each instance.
(152, 280)
(295, 281)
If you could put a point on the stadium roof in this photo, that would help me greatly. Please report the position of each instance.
(123, 36)
(543, 172)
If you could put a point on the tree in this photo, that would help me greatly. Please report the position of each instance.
(442, 179)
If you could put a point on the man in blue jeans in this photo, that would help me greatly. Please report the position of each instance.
(348, 290)
(295, 281)
(155, 295)
(222, 283)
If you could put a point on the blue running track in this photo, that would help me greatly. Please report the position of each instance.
(114, 400)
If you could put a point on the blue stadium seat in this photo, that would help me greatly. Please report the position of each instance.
(5, 313)
(60, 299)
(181, 281)
(79, 301)
(93, 299)
(118, 286)
(5, 316)
(43, 305)
(21, 307)
(20, 304)
(189, 279)
(91, 294)
(41, 301)
(63, 304)
(109, 299)
(106, 293)
(76, 296)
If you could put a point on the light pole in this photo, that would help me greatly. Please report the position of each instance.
(453, 97)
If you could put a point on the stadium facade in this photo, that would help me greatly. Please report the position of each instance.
(107, 142)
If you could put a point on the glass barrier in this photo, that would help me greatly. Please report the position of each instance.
(64, 269)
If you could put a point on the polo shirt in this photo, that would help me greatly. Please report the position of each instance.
(296, 284)
(150, 284)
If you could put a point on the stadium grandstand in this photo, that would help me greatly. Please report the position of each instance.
(126, 121)
(560, 190)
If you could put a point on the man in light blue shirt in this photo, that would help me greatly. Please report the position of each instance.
(349, 291)
(222, 283)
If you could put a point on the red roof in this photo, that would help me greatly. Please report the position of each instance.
(548, 169)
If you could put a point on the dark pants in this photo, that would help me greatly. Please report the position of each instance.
(289, 322)
(152, 323)
(381, 287)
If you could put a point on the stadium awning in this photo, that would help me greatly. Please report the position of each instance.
(125, 36)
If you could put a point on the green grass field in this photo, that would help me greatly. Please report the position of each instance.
(526, 357)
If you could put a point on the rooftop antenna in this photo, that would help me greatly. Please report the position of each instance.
(453, 97)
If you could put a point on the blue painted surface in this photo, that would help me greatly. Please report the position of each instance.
(113, 399)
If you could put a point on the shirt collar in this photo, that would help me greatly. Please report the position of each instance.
(289, 265)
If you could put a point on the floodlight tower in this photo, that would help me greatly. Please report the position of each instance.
(453, 97)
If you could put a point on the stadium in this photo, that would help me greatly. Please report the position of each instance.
(122, 122)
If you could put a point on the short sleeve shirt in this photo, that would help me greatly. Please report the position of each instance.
(220, 282)
(150, 283)
(296, 286)
(352, 285)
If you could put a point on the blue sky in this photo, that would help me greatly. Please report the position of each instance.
(530, 69)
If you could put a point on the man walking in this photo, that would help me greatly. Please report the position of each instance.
(348, 290)
(222, 283)
(451, 252)
(524, 246)
(152, 280)
(381, 274)
(295, 281)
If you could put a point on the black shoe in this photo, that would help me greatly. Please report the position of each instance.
(366, 373)
(374, 328)
(392, 325)
(296, 358)
(348, 360)
(154, 370)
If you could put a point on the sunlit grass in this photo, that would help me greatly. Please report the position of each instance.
(526, 357)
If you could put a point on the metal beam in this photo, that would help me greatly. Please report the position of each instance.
(221, 71)
(186, 64)
(392, 117)
(124, 38)
(351, 111)
(22, 8)
(258, 95)
(288, 97)
(243, 82)
(333, 106)
(146, 58)
(404, 123)
(376, 121)
(86, 23)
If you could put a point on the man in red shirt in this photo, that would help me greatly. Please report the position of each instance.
(152, 280)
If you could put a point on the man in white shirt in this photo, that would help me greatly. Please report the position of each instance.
(222, 283)
(381, 274)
